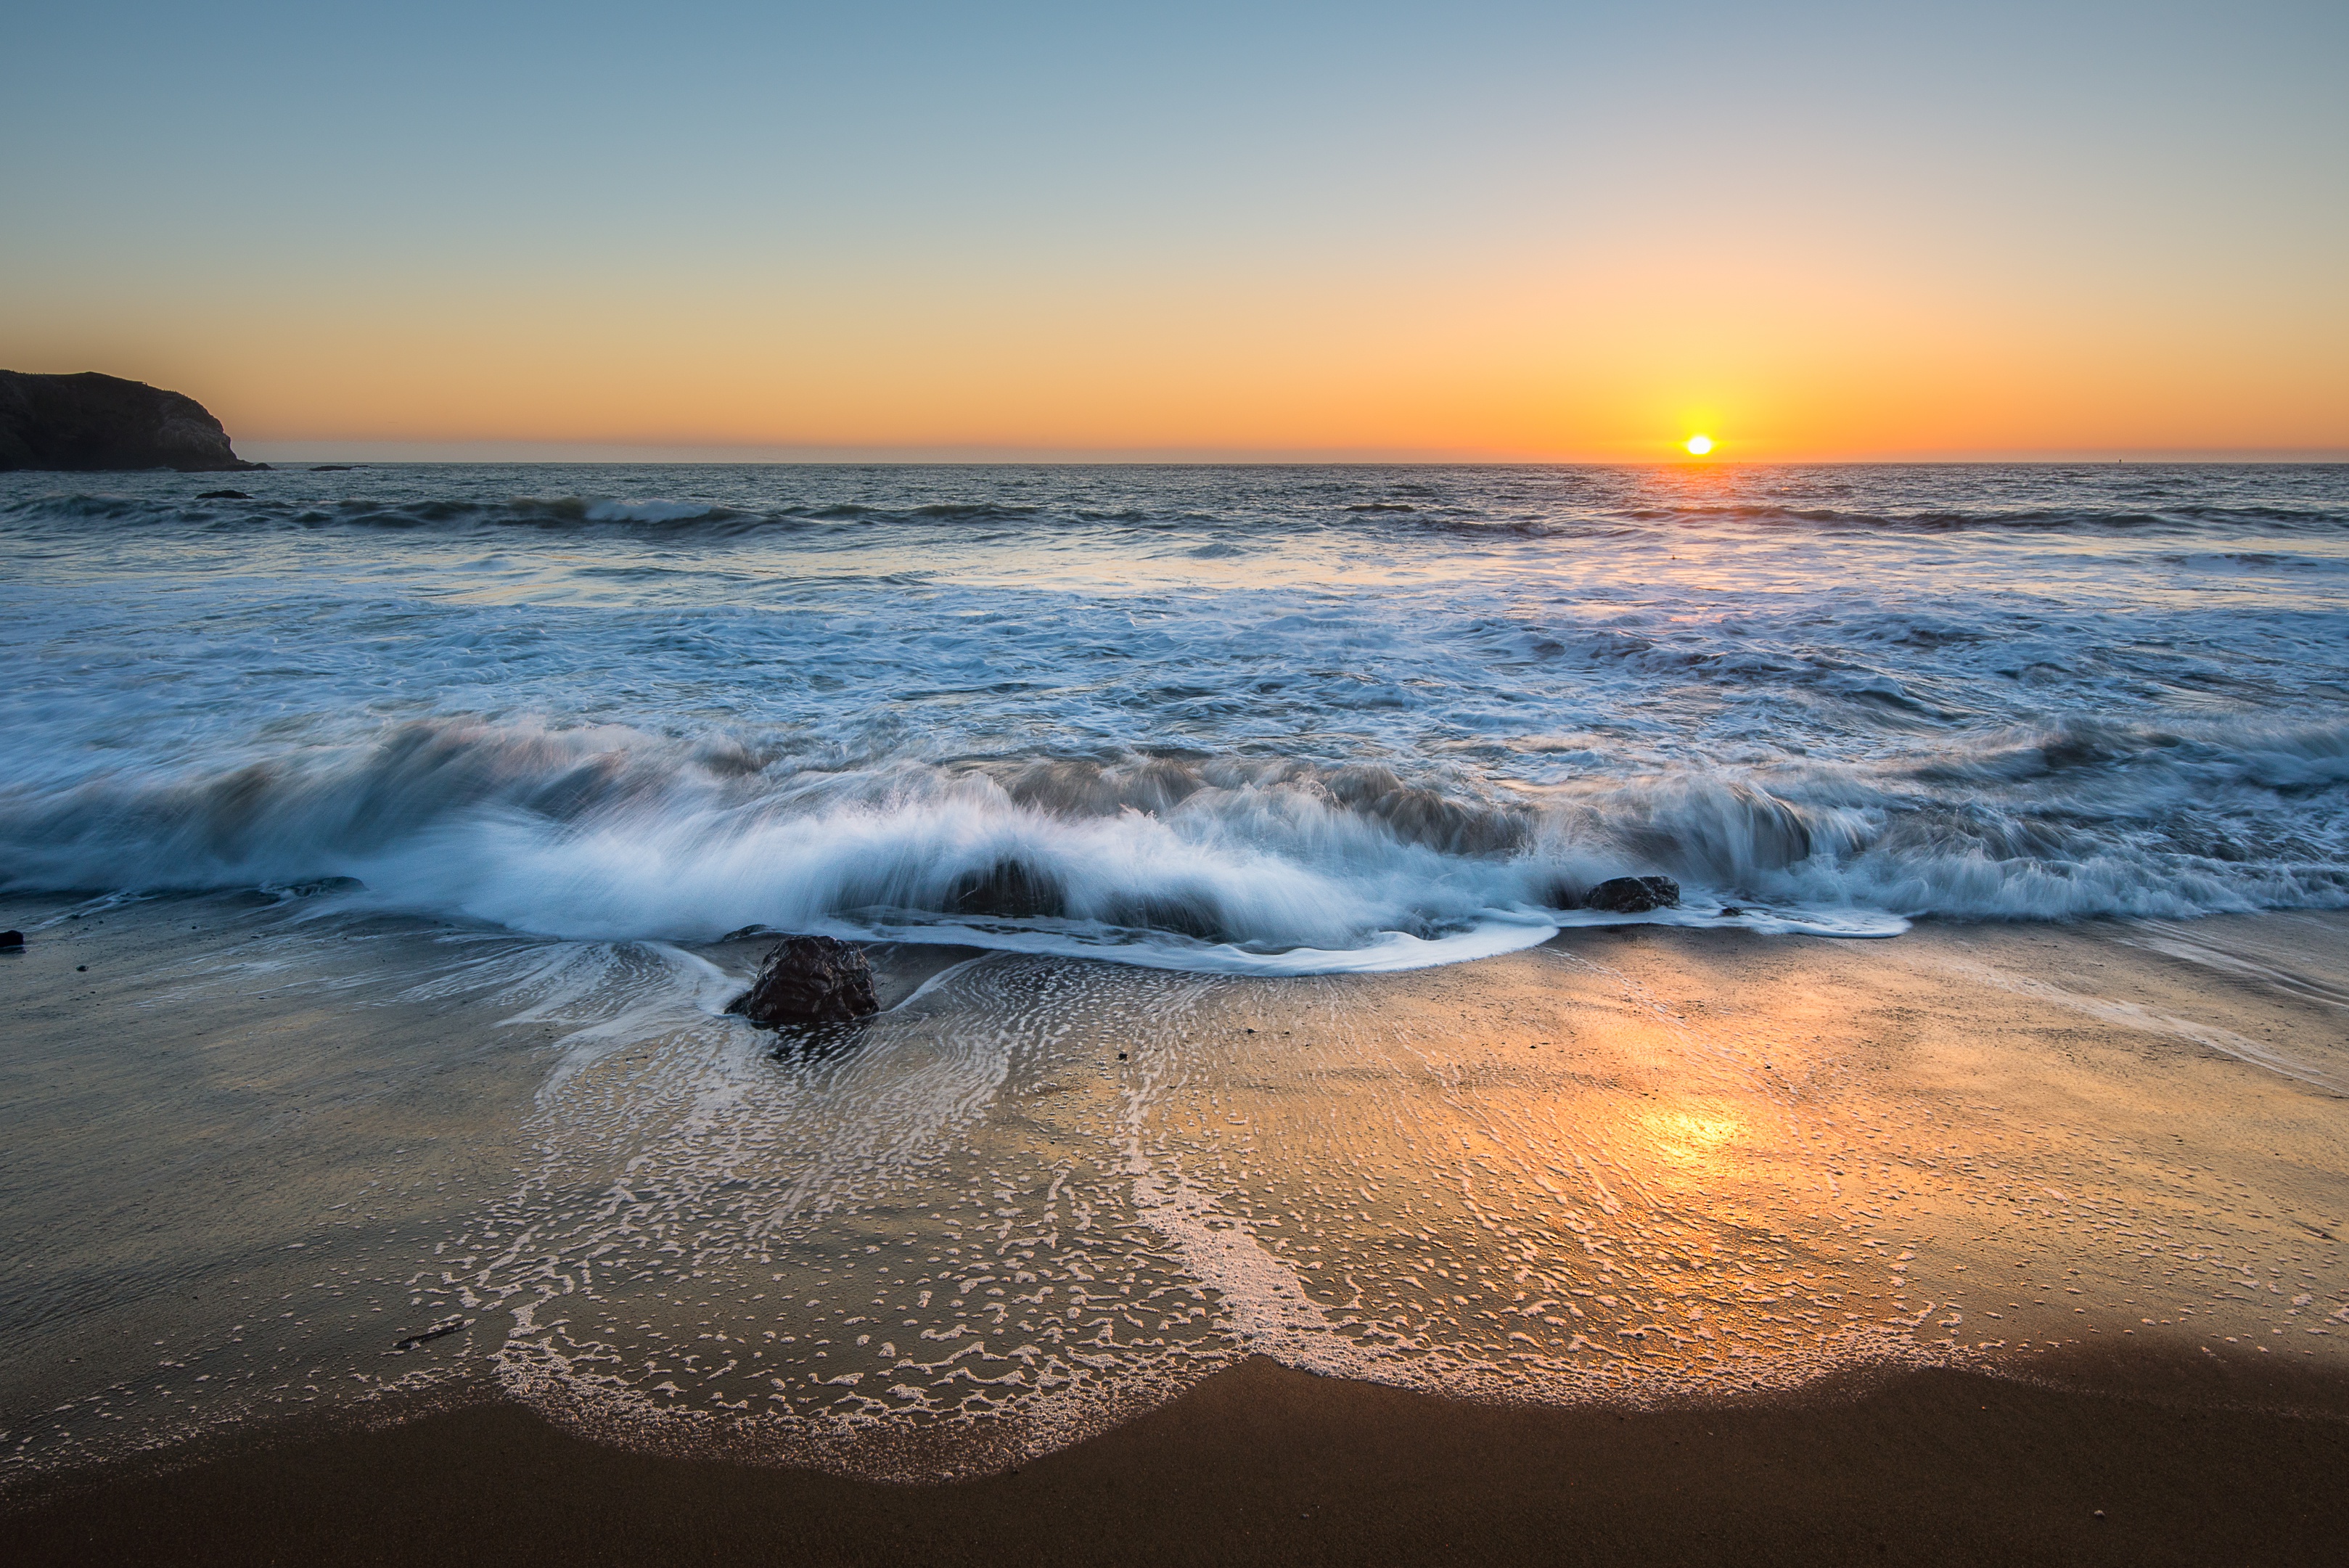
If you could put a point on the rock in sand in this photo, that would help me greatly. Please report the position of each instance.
(809, 980)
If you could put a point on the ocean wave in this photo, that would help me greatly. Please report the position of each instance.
(1183, 713)
(2051, 519)
(664, 517)
(1527, 503)
(1207, 863)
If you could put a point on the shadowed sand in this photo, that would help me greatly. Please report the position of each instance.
(1261, 1464)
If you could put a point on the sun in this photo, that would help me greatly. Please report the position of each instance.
(1698, 445)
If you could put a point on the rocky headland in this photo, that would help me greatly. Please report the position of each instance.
(89, 422)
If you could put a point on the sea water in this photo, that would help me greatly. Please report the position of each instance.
(387, 838)
(1285, 719)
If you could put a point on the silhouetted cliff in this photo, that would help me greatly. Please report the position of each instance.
(92, 422)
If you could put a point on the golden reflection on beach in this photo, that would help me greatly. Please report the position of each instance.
(1640, 1165)
(1633, 1165)
(1648, 1165)
(1695, 1143)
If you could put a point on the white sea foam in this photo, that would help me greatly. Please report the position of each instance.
(1411, 720)
(1216, 726)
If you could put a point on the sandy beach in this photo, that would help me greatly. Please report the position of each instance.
(1260, 1464)
(1210, 785)
(1655, 1242)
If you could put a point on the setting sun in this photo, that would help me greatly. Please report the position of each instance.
(1698, 446)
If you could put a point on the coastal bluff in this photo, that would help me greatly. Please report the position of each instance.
(91, 422)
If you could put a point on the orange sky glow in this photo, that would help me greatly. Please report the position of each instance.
(1380, 241)
(1591, 368)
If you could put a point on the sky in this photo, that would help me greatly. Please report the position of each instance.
(1265, 231)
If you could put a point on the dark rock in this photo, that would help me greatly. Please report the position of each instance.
(223, 495)
(89, 422)
(1730, 911)
(809, 980)
(438, 1331)
(1632, 895)
(316, 886)
(1009, 890)
(330, 468)
(12, 942)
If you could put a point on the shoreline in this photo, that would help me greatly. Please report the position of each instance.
(1636, 1175)
(1262, 1463)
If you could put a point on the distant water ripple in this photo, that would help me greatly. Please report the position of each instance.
(1283, 719)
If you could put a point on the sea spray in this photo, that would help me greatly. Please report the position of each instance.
(1332, 718)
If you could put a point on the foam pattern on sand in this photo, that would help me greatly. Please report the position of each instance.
(1040, 1195)
(1047, 1196)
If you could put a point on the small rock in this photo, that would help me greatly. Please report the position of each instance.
(1633, 895)
(1730, 911)
(12, 942)
(223, 495)
(809, 980)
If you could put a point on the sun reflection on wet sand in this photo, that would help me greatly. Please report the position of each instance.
(1631, 1165)
(1625, 1166)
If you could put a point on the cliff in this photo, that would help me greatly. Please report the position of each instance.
(92, 422)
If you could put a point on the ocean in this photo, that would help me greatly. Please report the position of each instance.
(1284, 720)
(389, 840)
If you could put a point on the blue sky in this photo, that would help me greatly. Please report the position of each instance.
(373, 175)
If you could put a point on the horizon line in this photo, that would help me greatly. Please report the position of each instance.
(684, 453)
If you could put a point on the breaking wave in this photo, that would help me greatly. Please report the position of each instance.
(1223, 862)
(680, 502)
(1272, 718)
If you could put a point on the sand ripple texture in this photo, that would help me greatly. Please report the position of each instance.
(1047, 1195)
(263, 1150)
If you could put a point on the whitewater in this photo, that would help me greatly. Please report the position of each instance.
(1298, 719)
(387, 844)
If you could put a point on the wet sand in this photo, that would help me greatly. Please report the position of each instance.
(1645, 1243)
(1261, 1464)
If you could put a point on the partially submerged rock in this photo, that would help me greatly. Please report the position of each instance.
(1009, 890)
(1632, 895)
(809, 980)
(91, 422)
